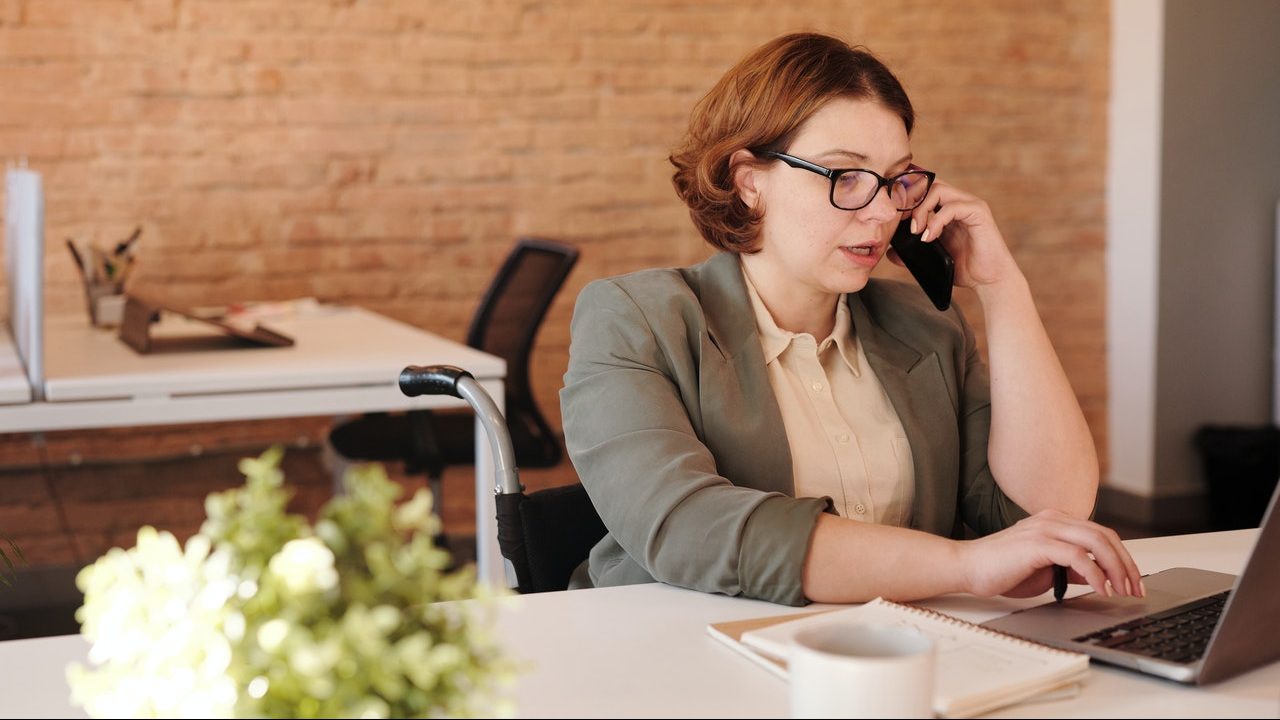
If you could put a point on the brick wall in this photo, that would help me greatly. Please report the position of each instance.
(387, 153)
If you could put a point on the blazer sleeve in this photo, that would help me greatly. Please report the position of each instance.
(653, 481)
(983, 505)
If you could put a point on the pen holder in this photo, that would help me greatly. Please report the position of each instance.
(106, 304)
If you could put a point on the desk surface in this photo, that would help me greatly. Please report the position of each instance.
(334, 347)
(643, 651)
(14, 388)
(344, 360)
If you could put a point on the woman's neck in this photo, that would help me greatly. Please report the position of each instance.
(794, 307)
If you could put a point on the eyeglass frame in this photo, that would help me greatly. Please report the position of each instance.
(834, 176)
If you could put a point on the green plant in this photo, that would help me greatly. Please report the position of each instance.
(263, 615)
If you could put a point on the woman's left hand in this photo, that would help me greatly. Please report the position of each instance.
(966, 228)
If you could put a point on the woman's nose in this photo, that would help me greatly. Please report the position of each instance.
(881, 208)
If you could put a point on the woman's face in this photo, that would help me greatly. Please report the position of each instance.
(807, 242)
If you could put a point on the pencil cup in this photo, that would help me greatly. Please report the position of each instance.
(106, 306)
(861, 671)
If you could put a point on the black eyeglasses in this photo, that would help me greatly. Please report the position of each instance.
(855, 188)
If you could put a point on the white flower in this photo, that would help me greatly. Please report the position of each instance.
(272, 634)
(257, 615)
(154, 615)
(304, 565)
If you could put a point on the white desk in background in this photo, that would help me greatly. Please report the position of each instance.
(643, 651)
(14, 388)
(345, 360)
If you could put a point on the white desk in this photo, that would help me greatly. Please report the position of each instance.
(344, 360)
(14, 388)
(643, 651)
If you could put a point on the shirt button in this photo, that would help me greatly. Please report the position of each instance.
(843, 438)
(817, 387)
(860, 509)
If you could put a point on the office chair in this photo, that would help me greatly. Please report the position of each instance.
(504, 324)
(544, 534)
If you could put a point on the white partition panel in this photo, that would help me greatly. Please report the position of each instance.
(24, 260)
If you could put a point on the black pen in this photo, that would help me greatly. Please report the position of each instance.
(1059, 582)
(123, 246)
(71, 245)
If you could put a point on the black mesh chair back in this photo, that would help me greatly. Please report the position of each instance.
(505, 325)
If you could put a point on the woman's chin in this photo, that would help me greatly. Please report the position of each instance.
(850, 281)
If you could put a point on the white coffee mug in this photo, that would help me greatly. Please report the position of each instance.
(843, 670)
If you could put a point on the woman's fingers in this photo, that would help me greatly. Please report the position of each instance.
(1017, 559)
(1076, 578)
(1132, 575)
(969, 212)
(939, 198)
(1110, 554)
(1106, 549)
(920, 216)
(1076, 559)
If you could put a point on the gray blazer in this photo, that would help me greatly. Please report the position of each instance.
(672, 425)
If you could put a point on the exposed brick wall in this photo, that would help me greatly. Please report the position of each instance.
(387, 152)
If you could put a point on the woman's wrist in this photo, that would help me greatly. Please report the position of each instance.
(958, 561)
(1012, 287)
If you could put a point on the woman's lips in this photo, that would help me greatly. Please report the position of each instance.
(864, 255)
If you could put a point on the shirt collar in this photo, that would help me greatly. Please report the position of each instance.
(843, 336)
(774, 340)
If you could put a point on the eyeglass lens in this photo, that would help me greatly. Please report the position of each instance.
(856, 189)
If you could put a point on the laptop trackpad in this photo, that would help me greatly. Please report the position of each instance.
(1087, 613)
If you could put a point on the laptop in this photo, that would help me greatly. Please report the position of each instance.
(1194, 626)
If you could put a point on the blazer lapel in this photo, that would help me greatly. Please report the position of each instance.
(914, 383)
(742, 424)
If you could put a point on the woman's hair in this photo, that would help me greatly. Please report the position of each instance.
(759, 105)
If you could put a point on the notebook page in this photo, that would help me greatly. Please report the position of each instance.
(976, 670)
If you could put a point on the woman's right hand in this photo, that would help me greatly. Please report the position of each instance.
(1018, 561)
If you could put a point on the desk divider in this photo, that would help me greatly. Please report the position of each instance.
(24, 264)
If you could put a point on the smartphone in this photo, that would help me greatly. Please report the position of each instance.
(930, 264)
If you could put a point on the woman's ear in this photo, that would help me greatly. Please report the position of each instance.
(746, 177)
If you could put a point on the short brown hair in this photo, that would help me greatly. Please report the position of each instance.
(760, 104)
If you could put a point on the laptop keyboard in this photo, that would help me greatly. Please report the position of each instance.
(1179, 634)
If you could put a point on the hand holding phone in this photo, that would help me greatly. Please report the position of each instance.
(930, 264)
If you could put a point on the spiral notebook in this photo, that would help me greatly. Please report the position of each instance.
(977, 670)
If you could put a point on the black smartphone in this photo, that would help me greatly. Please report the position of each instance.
(930, 264)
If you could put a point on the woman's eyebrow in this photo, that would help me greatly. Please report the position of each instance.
(860, 157)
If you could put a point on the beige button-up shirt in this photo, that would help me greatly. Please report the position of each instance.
(846, 439)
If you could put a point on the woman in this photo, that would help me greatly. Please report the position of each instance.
(772, 423)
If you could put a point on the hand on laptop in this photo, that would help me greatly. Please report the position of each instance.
(1019, 560)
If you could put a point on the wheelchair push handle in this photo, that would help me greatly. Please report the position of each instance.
(418, 380)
